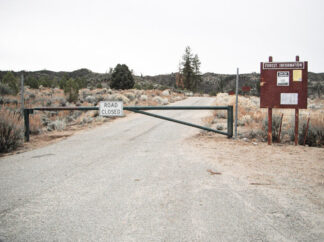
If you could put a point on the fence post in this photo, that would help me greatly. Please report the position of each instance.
(26, 119)
(236, 100)
(230, 121)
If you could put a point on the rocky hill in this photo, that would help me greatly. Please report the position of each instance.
(212, 83)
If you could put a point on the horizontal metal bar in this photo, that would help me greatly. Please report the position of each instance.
(179, 121)
(131, 108)
(176, 108)
(65, 108)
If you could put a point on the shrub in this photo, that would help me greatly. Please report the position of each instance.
(315, 134)
(35, 124)
(122, 78)
(11, 130)
(275, 127)
(32, 82)
(71, 89)
(11, 81)
(5, 89)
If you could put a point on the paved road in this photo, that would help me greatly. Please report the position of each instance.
(135, 179)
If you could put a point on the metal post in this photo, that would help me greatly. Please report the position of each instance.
(26, 119)
(236, 102)
(269, 126)
(296, 125)
(22, 94)
(230, 121)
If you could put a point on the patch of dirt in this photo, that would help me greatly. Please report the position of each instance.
(296, 171)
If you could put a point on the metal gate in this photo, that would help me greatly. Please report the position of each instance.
(141, 110)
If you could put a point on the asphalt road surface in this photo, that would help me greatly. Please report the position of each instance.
(134, 179)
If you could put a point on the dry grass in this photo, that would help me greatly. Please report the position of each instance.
(11, 130)
(35, 124)
(252, 119)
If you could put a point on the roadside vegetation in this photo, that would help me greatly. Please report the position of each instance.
(253, 121)
(86, 88)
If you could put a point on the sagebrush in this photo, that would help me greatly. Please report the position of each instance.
(11, 130)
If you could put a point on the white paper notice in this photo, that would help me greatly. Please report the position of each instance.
(283, 78)
(288, 98)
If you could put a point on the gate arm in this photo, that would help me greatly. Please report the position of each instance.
(178, 121)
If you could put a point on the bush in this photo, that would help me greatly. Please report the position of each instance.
(71, 89)
(11, 81)
(32, 82)
(315, 134)
(275, 127)
(11, 130)
(5, 89)
(122, 78)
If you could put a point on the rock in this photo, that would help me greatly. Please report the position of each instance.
(101, 91)
(138, 93)
(166, 93)
(160, 100)
(121, 97)
(219, 127)
(91, 99)
(87, 120)
(56, 125)
(143, 98)
(255, 143)
(177, 98)
(245, 139)
(189, 94)
(130, 96)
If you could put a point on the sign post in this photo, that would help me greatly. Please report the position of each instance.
(283, 85)
(236, 101)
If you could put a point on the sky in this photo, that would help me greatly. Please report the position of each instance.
(151, 36)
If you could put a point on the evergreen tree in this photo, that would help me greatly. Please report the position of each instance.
(71, 90)
(196, 68)
(190, 71)
(11, 81)
(32, 82)
(122, 78)
(63, 81)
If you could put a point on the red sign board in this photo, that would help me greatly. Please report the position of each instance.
(246, 89)
(283, 85)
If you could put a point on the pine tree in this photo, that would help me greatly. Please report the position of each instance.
(190, 71)
(122, 78)
(11, 81)
(71, 89)
(196, 67)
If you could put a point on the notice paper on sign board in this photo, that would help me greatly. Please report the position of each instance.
(297, 75)
(111, 108)
(288, 98)
(283, 78)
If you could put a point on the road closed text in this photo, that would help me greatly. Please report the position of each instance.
(111, 108)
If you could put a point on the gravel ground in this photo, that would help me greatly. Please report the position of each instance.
(144, 179)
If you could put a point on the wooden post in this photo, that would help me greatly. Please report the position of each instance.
(280, 128)
(22, 106)
(269, 126)
(296, 125)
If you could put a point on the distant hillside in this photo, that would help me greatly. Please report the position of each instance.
(211, 82)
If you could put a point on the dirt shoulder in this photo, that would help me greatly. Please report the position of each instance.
(297, 170)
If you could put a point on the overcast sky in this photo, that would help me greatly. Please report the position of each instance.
(150, 36)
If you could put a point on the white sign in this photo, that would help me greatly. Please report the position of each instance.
(111, 108)
(283, 78)
(289, 98)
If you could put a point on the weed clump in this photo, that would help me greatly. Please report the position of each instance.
(11, 130)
